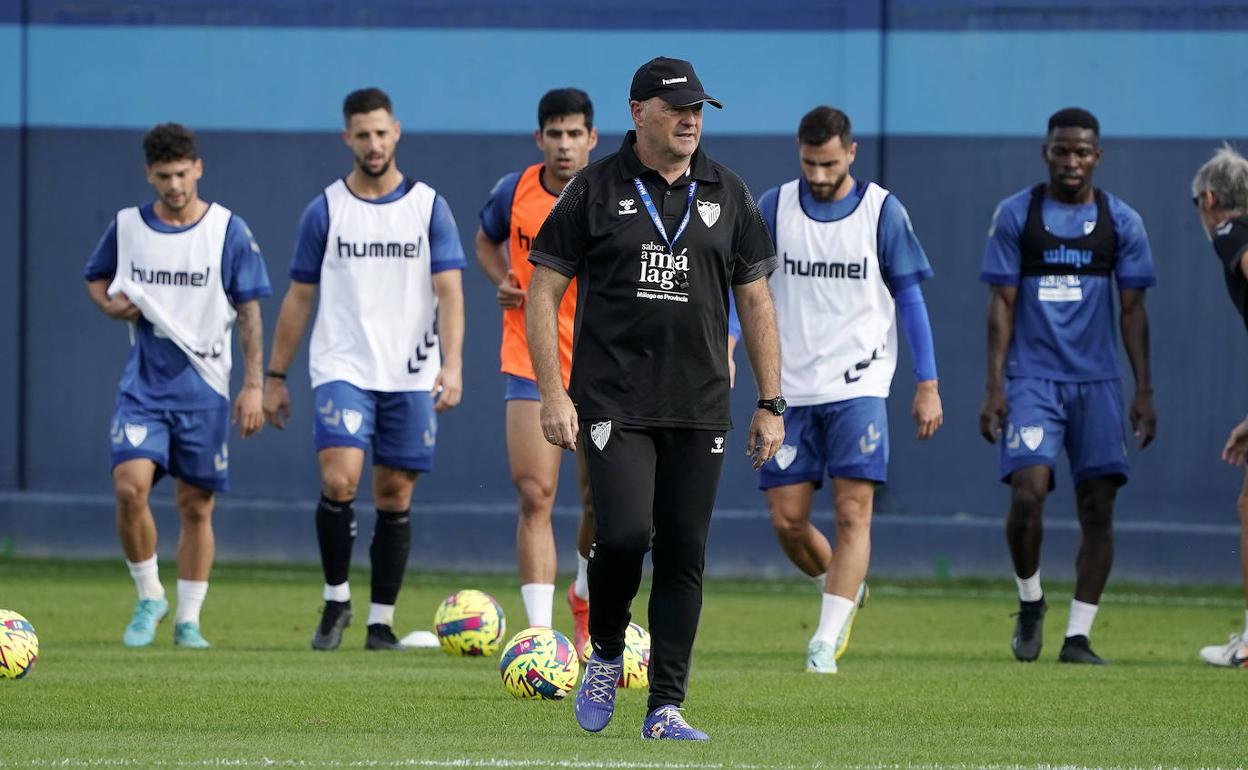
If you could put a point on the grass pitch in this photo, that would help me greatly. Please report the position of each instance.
(928, 681)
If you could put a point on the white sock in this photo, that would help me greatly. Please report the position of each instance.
(381, 613)
(832, 618)
(191, 595)
(146, 578)
(819, 580)
(1081, 616)
(539, 602)
(581, 586)
(338, 593)
(1029, 588)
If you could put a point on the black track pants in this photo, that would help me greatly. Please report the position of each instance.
(653, 489)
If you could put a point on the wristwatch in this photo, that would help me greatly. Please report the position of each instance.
(775, 405)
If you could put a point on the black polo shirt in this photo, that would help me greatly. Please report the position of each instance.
(651, 338)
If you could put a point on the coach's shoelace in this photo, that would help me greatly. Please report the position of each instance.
(673, 719)
(600, 679)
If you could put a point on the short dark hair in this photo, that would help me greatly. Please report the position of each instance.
(1075, 117)
(822, 124)
(364, 101)
(565, 101)
(169, 142)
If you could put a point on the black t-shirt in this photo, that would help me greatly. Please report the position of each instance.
(651, 336)
(1230, 240)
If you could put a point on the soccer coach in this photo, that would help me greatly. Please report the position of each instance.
(655, 235)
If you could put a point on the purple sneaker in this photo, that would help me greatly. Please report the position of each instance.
(595, 701)
(667, 723)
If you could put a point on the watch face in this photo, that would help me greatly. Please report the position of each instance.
(781, 405)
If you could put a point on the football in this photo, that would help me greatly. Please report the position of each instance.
(19, 647)
(539, 664)
(469, 623)
(636, 673)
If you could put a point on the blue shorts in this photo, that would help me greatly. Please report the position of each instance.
(190, 445)
(1084, 417)
(844, 439)
(521, 389)
(401, 427)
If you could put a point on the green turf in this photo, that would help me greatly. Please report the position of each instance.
(928, 680)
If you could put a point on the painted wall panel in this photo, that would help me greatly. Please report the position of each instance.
(462, 81)
(1140, 84)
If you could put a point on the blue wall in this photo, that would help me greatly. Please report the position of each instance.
(949, 100)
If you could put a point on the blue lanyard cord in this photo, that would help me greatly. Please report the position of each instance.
(658, 220)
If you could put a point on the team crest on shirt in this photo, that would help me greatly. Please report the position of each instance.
(785, 456)
(709, 212)
(351, 420)
(1088, 227)
(135, 433)
(1031, 436)
(600, 433)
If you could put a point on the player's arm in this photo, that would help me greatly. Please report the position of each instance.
(494, 261)
(292, 321)
(1133, 319)
(1235, 451)
(248, 407)
(101, 267)
(448, 285)
(1000, 329)
(118, 306)
(905, 266)
(927, 410)
(541, 319)
(762, 345)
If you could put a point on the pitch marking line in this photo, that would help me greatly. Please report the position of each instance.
(572, 764)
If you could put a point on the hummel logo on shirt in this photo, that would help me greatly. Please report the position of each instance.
(628, 206)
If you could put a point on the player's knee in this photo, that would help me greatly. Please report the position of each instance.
(535, 497)
(1027, 497)
(338, 485)
(195, 513)
(789, 526)
(853, 514)
(131, 495)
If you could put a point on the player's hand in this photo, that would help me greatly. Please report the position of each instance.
(927, 410)
(559, 423)
(992, 414)
(276, 402)
(120, 307)
(1143, 417)
(1236, 450)
(510, 295)
(765, 437)
(249, 411)
(732, 373)
(449, 387)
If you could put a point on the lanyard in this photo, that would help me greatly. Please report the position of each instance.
(658, 220)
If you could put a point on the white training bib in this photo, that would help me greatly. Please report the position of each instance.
(376, 322)
(175, 280)
(838, 336)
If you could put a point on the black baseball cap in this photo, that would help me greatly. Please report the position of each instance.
(673, 80)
